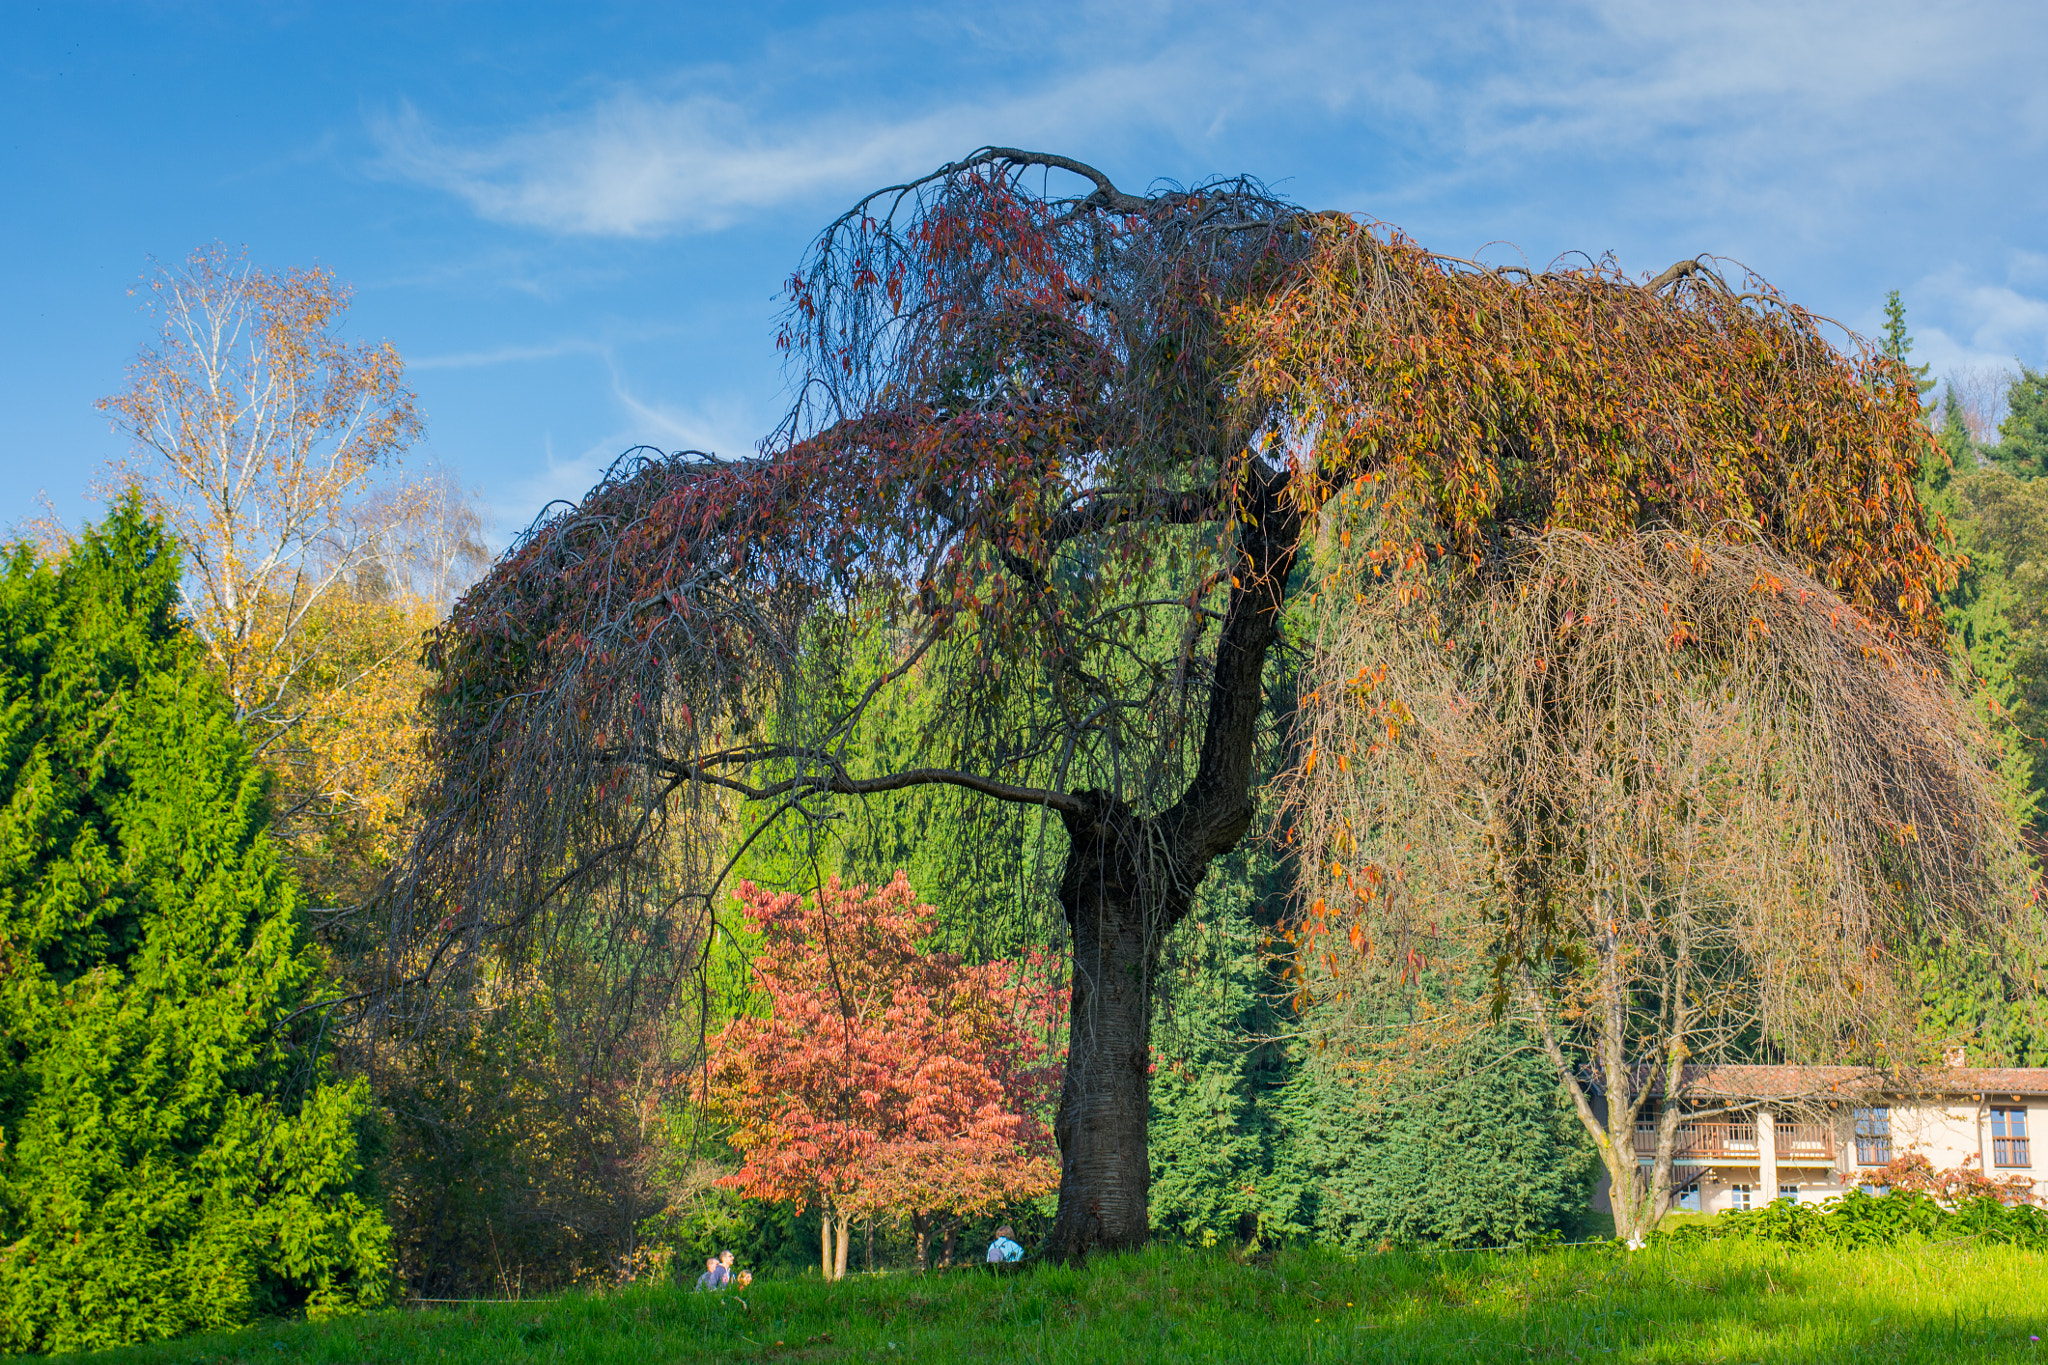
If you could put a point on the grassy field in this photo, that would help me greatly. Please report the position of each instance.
(1735, 1300)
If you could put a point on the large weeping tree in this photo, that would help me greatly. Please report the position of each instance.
(1056, 455)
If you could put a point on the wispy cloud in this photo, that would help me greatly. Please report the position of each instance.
(1979, 323)
(643, 163)
(725, 425)
(1722, 105)
(637, 165)
(510, 355)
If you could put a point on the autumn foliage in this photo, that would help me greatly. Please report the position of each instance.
(270, 447)
(1623, 670)
(883, 1079)
(256, 431)
(1913, 1172)
(1468, 401)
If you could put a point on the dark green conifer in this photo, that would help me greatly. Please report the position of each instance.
(1992, 1008)
(2023, 435)
(1898, 343)
(1479, 1152)
(171, 1155)
(1223, 1165)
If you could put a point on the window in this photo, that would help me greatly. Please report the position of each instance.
(1790, 1192)
(1689, 1197)
(1738, 1196)
(1873, 1137)
(2009, 1137)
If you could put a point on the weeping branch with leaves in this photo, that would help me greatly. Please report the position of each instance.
(1692, 806)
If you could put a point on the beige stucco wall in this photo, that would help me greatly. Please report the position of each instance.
(1948, 1132)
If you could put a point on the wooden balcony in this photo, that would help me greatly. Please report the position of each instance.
(1806, 1144)
(1697, 1144)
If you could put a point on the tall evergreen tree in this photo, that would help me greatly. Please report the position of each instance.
(1223, 1160)
(1993, 1008)
(1985, 607)
(2002, 522)
(1480, 1151)
(171, 1156)
(1898, 343)
(2023, 435)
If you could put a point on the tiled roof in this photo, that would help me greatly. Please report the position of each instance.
(1788, 1082)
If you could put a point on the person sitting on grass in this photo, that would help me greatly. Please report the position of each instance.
(715, 1275)
(737, 1279)
(1005, 1247)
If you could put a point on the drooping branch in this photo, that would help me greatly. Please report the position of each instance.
(1643, 767)
(839, 784)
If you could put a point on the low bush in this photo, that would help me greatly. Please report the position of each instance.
(1862, 1219)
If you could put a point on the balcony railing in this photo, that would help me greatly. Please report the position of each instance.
(1799, 1144)
(1806, 1144)
(2009, 1152)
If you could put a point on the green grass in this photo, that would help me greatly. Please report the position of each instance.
(1732, 1300)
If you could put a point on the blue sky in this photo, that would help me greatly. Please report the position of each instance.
(572, 218)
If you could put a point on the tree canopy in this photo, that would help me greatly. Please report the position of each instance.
(1069, 450)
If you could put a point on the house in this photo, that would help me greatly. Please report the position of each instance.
(1812, 1132)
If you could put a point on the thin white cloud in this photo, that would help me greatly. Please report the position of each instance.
(1793, 118)
(640, 164)
(1976, 323)
(509, 355)
(634, 165)
(1760, 104)
(722, 426)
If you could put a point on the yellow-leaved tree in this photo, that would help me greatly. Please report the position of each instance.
(269, 445)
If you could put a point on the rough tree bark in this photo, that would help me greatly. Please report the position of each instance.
(1105, 1100)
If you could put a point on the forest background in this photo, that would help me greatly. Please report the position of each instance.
(530, 1139)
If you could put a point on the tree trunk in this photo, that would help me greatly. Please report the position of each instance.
(1625, 1192)
(1103, 1127)
(921, 1224)
(845, 1240)
(825, 1240)
(1128, 881)
(1611, 1123)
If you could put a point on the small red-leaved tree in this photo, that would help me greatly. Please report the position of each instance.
(1913, 1171)
(883, 1078)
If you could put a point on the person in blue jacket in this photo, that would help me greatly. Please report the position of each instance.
(1004, 1247)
